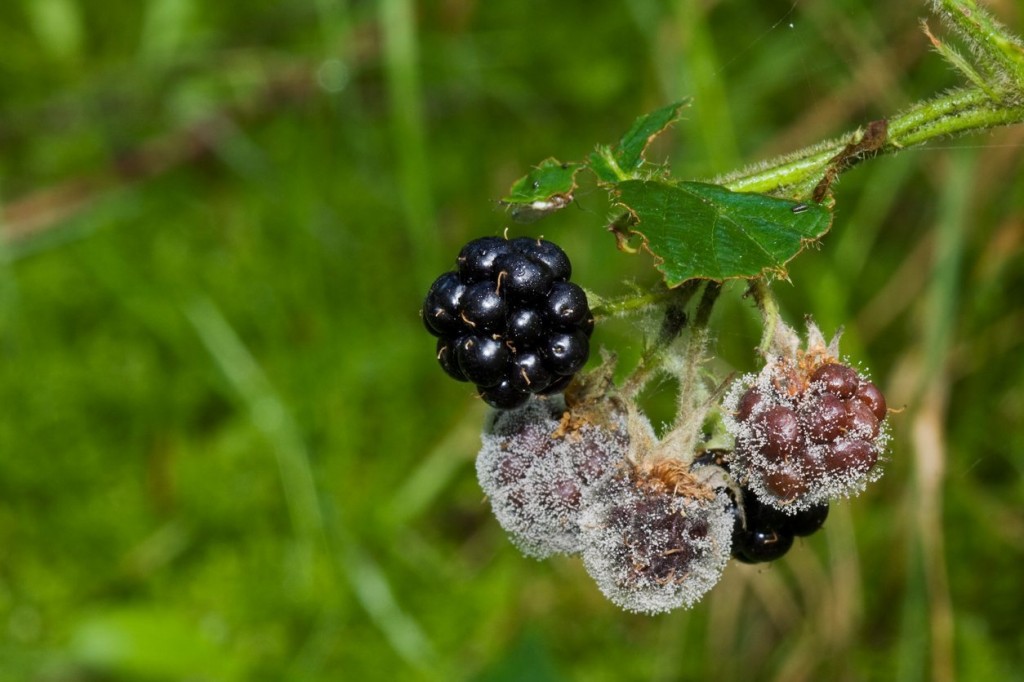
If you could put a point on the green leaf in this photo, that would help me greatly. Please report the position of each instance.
(602, 162)
(630, 152)
(544, 190)
(696, 230)
(624, 160)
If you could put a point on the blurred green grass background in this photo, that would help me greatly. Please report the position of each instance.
(226, 451)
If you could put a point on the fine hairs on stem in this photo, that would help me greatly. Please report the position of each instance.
(693, 402)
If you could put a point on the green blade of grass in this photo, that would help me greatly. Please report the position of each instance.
(398, 26)
(271, 417)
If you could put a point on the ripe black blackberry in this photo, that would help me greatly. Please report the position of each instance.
(809, 521)
(509, 320)
(762, 533)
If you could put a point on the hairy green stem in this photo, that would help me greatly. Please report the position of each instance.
(960, 111)
(693, 402)
(634, 304)
(1000, 52)
(672, 326)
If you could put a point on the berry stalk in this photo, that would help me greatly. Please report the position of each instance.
(633, 304)
(770, 316)
(694, 401)
(673, 324)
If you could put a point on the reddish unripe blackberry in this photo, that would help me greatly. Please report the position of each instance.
(509, 320)
(861, 420)
(751, 402)
(805, 435)
(850, 455)
(786, 482)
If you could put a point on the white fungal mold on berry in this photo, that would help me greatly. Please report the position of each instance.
(655, 518)
(808, 428)
(538, 471)
(651, 549)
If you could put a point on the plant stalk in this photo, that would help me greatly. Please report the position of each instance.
(796, 175)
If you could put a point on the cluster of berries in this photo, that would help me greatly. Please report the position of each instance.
(806, 435)
(654, 530)
(559, 488)
(509, 320)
